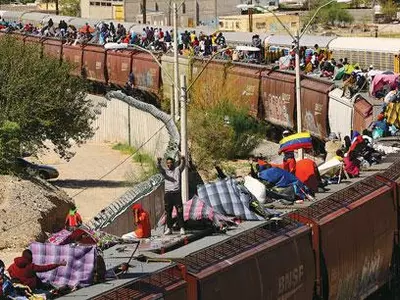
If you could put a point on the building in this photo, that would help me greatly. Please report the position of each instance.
(261, 23)
(103, 9)
(159, 12)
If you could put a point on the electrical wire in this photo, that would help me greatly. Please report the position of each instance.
(100, 178)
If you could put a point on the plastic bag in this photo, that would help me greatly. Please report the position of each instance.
(256, 188)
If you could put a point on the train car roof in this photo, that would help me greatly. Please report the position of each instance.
(56, 19)
(79, 22)
(242, 37)
(366, 44)
(33, 17)
(138, 28)
(306, 40)
(11, 16)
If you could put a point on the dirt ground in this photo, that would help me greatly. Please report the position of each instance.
(84, 177)
(29, 209)
(85, 174)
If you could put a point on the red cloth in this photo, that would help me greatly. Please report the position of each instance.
(142, 219)
(73, 220)
(350, 167)
(25, 271)
(306, 172)
(290, 165)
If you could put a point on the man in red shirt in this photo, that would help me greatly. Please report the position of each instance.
(25, 271)
(142, 220)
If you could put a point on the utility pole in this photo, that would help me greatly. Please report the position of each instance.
(144, 11)
(175, 114)
(298, 89)
(57, 10)
(216, 13)
(184, 140)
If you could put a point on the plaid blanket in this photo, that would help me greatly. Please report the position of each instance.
(80, 263)
(85, 237)
(228, 198)
(196, 210)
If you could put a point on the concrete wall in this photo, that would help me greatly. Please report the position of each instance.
(120, 123)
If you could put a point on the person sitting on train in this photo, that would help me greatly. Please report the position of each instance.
(332, 145)
(352, 164)
(317, 49)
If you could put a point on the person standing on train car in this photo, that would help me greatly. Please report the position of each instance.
(289, 162)
(173, 196)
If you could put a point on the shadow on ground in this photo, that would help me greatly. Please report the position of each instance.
(90, 183)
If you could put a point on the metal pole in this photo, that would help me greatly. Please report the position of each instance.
(144, 11)
(216, 13)
(176, 64)
(298, 91)
(184, 141)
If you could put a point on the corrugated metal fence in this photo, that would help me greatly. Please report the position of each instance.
(125, 119)
(120, 122)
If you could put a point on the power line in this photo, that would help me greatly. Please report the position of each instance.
(123, 161)
(100, 178)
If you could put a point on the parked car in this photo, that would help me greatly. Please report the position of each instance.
(45, 172)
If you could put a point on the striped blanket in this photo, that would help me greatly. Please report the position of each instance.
(228, 198)
(197, 210)
(80, 263)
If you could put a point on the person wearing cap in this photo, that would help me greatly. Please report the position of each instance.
(141, 219)
(332, 145)
(73, 219)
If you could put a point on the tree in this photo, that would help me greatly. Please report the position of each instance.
(330, 14)
(220, 127)
(389, 9)
(40, 102)
(70, 8)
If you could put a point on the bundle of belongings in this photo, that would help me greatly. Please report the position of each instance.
(197, 213)
(67, 261)
(46, 271)
(229, 198)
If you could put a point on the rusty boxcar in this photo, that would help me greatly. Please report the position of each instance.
(167, 284)
(94, 63)
(353, 244)
(250, 265)
(278, 98)
(314, 106)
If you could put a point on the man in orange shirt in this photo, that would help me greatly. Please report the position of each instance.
(141, 219)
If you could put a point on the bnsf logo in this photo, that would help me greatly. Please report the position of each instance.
(290, 282)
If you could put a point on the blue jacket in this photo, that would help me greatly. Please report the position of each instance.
(279, 177)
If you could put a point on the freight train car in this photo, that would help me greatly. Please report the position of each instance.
(353, 245)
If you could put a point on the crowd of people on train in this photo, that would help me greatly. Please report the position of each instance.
(152, 38)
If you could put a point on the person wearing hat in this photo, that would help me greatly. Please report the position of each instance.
(141, 219)
(332, 145)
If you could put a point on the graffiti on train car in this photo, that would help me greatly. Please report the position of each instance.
(277, 108)
(146, 79)
(365, 281)
(290, 283)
